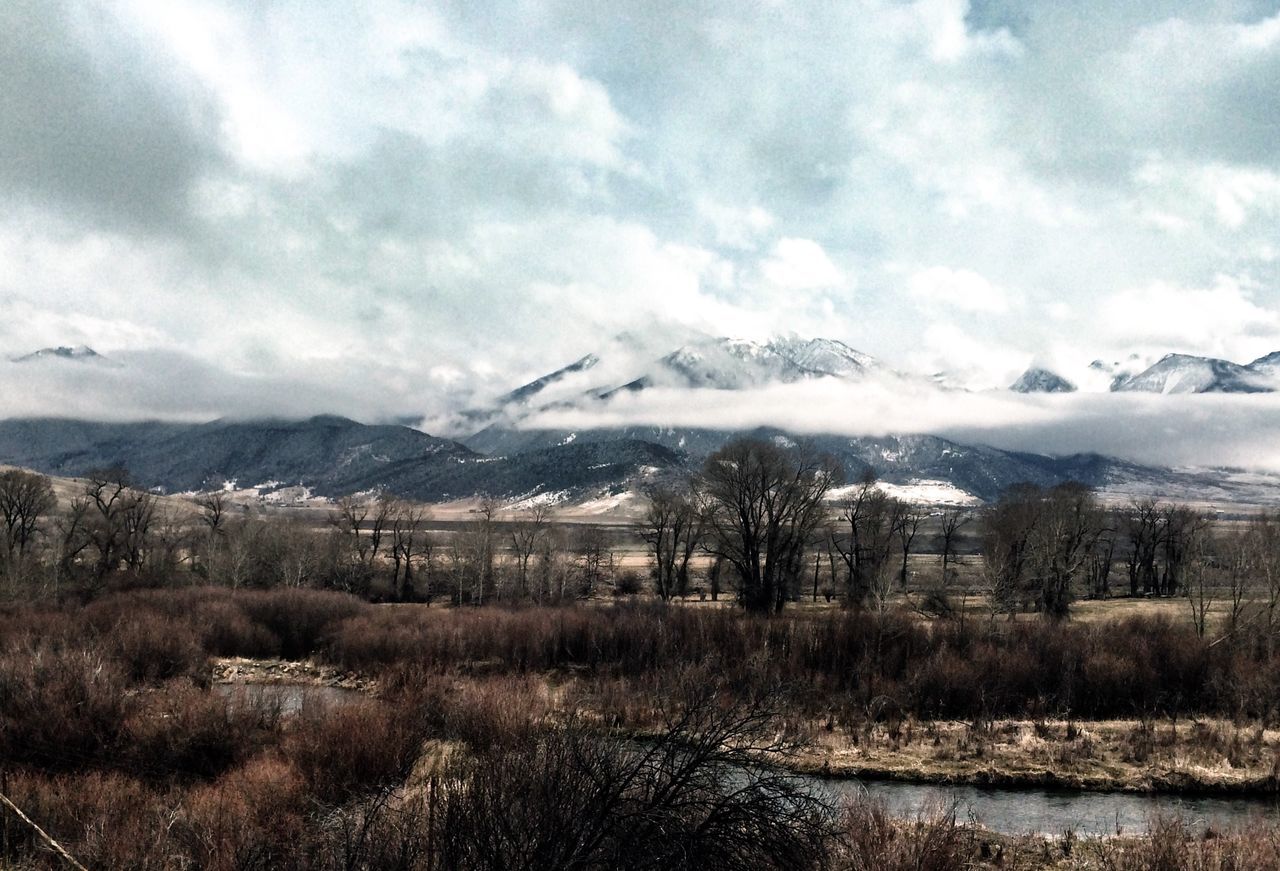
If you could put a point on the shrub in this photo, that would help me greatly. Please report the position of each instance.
(873, 840)
(343, 751)
(60, 708)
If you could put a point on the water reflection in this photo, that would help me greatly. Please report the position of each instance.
(1040, 811)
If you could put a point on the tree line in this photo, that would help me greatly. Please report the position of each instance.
(764, 522)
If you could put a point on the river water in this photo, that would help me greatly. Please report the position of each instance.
(1000, 809)
(1052, 812)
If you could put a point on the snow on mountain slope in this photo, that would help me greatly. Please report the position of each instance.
(1267, 366)
(1184, 373)
(721, 363)
(525, 392)
(825, 356)
(1103, 376)
(739, 364)
(1037, 380)
(724, 364)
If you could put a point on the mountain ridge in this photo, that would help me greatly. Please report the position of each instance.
(332, 456)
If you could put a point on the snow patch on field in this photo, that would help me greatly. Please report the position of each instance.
(611, 502)
(922, 491)
(532, 500)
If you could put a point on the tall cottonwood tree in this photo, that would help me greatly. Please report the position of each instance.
(869, 529)
(1037, 542)
(764, 503)
(672, 527)
(407, 535)
(26, 499)
(950, 524)
(527, 534)
(117, 523)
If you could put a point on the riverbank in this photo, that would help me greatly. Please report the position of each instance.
(1184, 757)
(1207, 757)
(243, 670)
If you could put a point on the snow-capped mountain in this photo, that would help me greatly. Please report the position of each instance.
(1116, 372)
(738, 364)
(80, 353)
(526, 392)
(1184, 373)
(1038, 380)
(825, 356)
(1267, 366)
(705, 362)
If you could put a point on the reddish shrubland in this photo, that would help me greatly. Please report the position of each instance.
(111, 737)
(1131, 668)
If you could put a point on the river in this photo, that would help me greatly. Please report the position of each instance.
(1053, 811)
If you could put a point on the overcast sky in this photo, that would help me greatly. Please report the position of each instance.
(384, 207)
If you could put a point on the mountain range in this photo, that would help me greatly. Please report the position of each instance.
(332, 456)
(492, 450)
(736, 364)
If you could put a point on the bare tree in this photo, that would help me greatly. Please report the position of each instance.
(483, 533)
(1101, 559)
(527, 533)
(594, 557)
(119, 522)
(552, 571)
(1236, 558)
(672, 527)
(1007, 527)
(406, 535)
(1199, 582)
(349, 519)
(26, 499)
(173, 539)
(72, 530)
(951, 522)
(870, 521)
(213, 510)
(1069, 525)
(909, 521)
(1264, 537)
(1144, 530)
(1183, 527)
(764, 503)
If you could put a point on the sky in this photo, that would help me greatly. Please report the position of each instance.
(388, 209)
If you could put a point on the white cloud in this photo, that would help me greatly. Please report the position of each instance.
(1206, 430)
(1188, 193)
(800, 264)
(965, 359)
(1221, 320)
(420, 188)
(956, 288)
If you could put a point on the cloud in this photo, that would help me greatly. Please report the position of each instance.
(956, 288)
(800, 264)
(405, 189)
(1209, 430)
(966, 360)
(1222, 319)
(93, 119)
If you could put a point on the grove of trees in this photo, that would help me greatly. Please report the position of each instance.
(763, 522)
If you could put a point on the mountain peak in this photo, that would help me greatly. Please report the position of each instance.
(1267, 364)
(61, 352)
(1039, 380)
(1187, 373)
